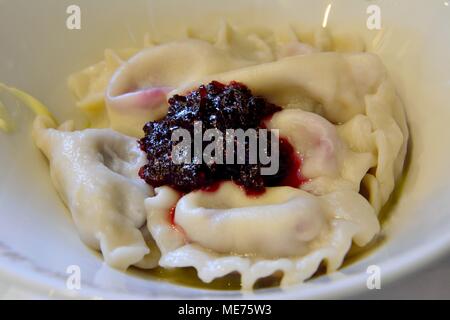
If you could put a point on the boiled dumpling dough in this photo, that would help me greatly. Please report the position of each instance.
(138, 91)
(224, 232)
(331, 84)
(96, 173)
(279, 223)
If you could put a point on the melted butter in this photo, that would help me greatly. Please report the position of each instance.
(188, 277)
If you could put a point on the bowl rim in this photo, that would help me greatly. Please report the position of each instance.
(44, 286)
(20, 276)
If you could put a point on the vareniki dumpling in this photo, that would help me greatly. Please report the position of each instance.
(285, 229)
(95, 172)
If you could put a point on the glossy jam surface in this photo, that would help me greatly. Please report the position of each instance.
(222, 107)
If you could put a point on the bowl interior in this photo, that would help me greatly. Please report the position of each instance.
(38, 241)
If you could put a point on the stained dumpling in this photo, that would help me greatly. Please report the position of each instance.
(139, 89)
(230, 232)
(280, 223)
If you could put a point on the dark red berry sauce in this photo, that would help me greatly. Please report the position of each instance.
(217, 106)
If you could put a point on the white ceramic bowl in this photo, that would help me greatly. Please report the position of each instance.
(38, 241)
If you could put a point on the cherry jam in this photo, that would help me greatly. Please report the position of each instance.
(222, 107)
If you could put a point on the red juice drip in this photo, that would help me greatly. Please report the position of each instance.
(172, 217)
(292, 175)
(212, 187)
(173, 224)
(254, 193)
